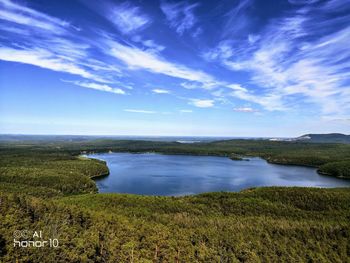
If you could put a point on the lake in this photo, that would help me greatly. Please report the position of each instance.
(158, 174)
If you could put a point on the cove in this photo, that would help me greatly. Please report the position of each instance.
(176, 175)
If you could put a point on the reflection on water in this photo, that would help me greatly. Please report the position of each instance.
(157, 174)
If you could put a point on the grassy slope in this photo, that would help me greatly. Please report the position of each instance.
(46, 187)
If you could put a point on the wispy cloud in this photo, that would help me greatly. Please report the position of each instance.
(202, 103)
(19, 14)
(336, 118)
(149, 44)
(302, 2)
(140, 111)
(245, 109)
(128, 18)
(161, 91)
(152, 45)
(300, 57)
(44, 59)
(223, 51)
(51, 43)
(191, 85)
(97, 86)
(303, 55)
(186, 111)
(269, 101)
(238, 18)
(136, 58)
(180, 16)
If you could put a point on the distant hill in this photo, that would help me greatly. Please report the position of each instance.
(325, 138)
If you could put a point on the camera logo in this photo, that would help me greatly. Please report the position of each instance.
(27, 238)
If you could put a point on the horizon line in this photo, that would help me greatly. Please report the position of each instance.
(143, 135)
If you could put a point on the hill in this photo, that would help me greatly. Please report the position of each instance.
(325, 138)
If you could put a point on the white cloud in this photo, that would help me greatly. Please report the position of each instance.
(139, 59)
(237, 87)
(140, 111)
(270, 101)
(23, 15)
(40, 45)
(16, 30)
(202, 103)
(336, 118)
(245, 109)
(161, 91)
(148, 43)
(151, 44)
(238, 19)
(302, 2)
(61, 56)
(44, 59)
(298, 59)
(97, 86)
(180, 16)
(128, 18)
(253, 38)
(197, 32)
(223, 51)
(186, 111)
(191, 85)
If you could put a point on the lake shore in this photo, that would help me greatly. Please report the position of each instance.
(176, 175)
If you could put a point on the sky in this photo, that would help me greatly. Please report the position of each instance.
(184, 68)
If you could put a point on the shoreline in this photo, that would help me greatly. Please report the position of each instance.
(244, 158)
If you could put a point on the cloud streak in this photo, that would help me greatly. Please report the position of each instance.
(180, 15)
(128, 18)
(140, 111)
(160, 91)
(44, 59)
(97, 86)
(136, 58)
(200, 103)
(298, 59)
(50, 43)
(245, 109)
(22, 15)
(296, 56)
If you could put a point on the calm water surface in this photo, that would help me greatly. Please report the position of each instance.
(157, 174)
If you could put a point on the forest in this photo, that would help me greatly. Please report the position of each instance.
(279, 152)
(48, 186)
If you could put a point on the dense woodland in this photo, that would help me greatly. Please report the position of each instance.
(280, 152)
(47, 186)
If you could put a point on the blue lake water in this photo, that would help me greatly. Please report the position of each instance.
(157, 174)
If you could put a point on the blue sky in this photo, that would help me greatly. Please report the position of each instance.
(208, 68)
